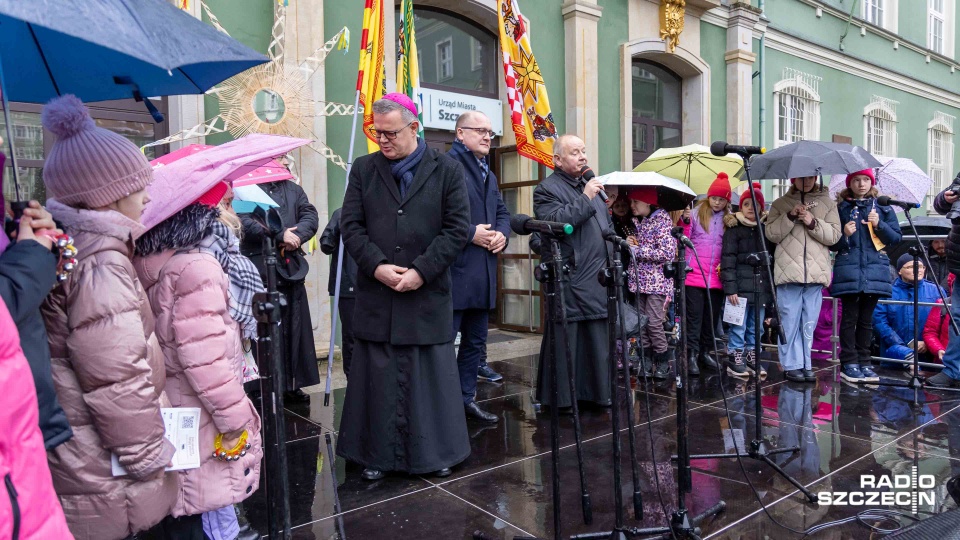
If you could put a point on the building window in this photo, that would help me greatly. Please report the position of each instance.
(935, 26)
(873, 11)
(880, 127)
(476, 54)
(797, 101)
(657, 111)
(940, 155)
(445, 59)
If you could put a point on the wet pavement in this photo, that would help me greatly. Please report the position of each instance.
(841, 433)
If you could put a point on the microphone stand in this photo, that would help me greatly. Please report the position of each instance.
(612, 278)
(266, 309)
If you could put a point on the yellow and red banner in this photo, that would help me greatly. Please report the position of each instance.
(370, 79)
(526, 90)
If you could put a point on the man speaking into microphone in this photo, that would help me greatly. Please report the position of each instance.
(567, 197)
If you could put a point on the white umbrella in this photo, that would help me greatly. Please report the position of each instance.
(899, 178)
(672, 194)
(246, 198)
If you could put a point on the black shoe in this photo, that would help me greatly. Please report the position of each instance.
(487, 374)
(297, 396)
(443, 473)
(809, 376)
(373, 474)
(794, 375)
(942, 380)
(474, 411)
(646, 364)
(247, 533)
(710, 362)
(736, 366)
(661, 366)
(693, 369)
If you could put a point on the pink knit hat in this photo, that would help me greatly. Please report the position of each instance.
(89, 165)
(402, 99)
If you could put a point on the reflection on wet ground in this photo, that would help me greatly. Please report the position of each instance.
(504, 488)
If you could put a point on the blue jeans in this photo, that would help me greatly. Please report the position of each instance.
(744, 337)
(799, 310)
(951, 359)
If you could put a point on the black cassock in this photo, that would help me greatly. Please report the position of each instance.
(297, 344)
(560, 198)
(403, 410)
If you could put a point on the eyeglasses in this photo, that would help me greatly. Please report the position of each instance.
(390, 135)
(482, 131)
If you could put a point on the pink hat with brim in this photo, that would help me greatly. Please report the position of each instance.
(402, 99)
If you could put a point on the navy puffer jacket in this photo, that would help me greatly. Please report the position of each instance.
(859, 267)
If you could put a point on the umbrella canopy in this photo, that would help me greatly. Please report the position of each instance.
(55, 47)
(925, 226)
(672, 194)
(811, 158)
(693, 164)
(178, 184)
(900, 178)
(247, 198)
(246, 175)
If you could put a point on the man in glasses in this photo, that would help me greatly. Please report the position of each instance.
(404, 220)
(475, 272)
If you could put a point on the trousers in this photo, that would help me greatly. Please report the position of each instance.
(856, 327)
(472, 325)
(799, 310)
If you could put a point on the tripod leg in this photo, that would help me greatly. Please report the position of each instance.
(631, 418)
(810, 496)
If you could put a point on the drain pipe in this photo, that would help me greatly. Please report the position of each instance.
(762, 76)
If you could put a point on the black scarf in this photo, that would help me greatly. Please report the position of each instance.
(404, 169)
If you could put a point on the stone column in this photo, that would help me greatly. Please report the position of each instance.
(580, 51)
(740, 59)
(184, 112)
(304, 35)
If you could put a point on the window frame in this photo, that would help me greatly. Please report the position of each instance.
(880, 120)
(448, 41)
(935, 16)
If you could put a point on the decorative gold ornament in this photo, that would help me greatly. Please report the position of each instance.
(671, 22)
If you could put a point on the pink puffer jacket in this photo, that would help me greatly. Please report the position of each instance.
(28, 504)
(709, 247)
(201, 346)
(109, 376)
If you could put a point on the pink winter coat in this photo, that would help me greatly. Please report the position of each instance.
(109, 377)
(201, 346)
(709, 247)
(29, 505)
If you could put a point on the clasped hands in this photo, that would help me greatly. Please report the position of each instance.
(398, 278)
(489, 239)
(802, 213)
(851, 227)
(37, 224)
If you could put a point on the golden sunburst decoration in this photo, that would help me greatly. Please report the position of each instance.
(286, 87)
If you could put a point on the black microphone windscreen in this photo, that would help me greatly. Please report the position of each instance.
(587, 173)
(718, 148)
(884, 200)
(517, 222)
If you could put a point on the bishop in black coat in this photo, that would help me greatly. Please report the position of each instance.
(402, 410)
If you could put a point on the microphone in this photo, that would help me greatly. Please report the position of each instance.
(587, 173)
(887, 201)
(677, 232)
(721, 148)
(614, 239)
(524, 224)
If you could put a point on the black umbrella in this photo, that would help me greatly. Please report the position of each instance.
(811, 158)
(925, 226)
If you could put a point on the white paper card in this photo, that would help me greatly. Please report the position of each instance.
(182, 425)
(735, 314)
(729, 437)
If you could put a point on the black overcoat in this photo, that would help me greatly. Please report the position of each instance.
(330, 244)
(560, 198)
(475, 270)
(425, 231)
(295, 211)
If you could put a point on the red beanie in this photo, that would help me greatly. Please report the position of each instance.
(720, 187)
(212, 197)
(647, 194)
(865, 172)
(745, 196)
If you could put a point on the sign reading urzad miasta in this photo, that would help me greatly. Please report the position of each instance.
(441, 109)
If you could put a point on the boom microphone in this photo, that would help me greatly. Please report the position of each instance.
(677, 232)
(587, 173)
(524, 224)
(721, 148)
(887, 201)
(613, 238)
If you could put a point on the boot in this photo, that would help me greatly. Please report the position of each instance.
(693, 369)
(736, 366)
(753, 366)
(710, 361)
(646, 364)
(661, 367)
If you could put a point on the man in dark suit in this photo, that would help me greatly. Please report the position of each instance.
(404, 221)
(475, 272)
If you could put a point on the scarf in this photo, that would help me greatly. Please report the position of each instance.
(743, 219)
(244, 278)
(404, 169)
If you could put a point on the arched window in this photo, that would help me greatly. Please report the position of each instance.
(455, 55)
(940, 154)
(880, 127)
(797, 102)
(656, 109)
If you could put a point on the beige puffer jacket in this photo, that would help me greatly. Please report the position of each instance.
(109, 376)
(201, 346)
(803, 254)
